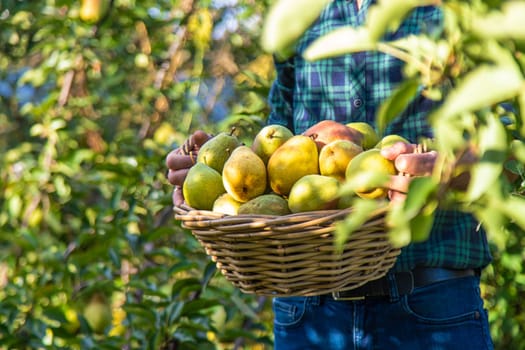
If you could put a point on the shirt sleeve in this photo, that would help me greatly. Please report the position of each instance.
(280, 97)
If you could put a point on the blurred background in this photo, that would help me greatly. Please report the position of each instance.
(93, 95)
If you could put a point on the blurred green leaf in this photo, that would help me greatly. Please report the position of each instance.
(340, 41)
(472, 93)
(493, 149)
(386, 16)
(504, 24)
(361, 211)
(396, 103)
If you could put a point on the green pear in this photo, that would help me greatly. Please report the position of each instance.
(244, 174)
(226, 204)
(295, 158)
(202, 186)
(370, 167)
(390, 140)
(335, 156)
(370, 135)
(217, 150)
(268, 139)
(267, 204)
(98, 313)
(314, 192)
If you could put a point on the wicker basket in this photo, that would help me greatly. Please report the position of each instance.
(293, 254)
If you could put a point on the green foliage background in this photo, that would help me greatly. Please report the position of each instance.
(88, 112)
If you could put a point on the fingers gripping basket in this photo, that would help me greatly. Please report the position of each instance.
(293, 254)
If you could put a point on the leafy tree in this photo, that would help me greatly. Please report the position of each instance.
(91, 104)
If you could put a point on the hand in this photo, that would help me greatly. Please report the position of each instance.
(408, 162)
(180, 160)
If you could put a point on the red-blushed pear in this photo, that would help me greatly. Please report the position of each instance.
(296, 158)
(335, 156)
(327, 131)
(268, 139)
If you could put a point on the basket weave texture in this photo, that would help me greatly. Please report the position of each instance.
(291, 255)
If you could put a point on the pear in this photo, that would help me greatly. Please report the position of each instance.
(367, 171)
(268, 139)
(97, 313)
(295, 158)
(370, 136)
(91, 11)
(217, 150)
(244, 174)
(390, 140)
(335, 156)
(268, 204)
(314, 192)
(327, 131)
(202, 186)
(226, 204)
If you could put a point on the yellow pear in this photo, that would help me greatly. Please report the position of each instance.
(295, 158)
(91, 11)
(217, 150)
(370, 136)
(268, 204)
(268, 139)
(390, 140)
(335, 156)
(244, 174)
(202, 186)
(226, 204)
(366, 170)
(314, 192)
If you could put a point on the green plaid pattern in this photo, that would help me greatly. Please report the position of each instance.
(351, 88)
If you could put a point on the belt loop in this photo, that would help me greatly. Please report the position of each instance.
(392, 286)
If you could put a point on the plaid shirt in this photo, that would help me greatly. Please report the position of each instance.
(351, 88)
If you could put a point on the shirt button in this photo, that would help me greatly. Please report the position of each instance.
(358, 103)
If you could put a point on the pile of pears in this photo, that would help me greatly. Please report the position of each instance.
(282, 173)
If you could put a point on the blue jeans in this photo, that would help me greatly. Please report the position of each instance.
(446, 315)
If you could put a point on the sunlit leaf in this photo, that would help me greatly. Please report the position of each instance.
(364, 179)
(396, 103)
(507, 23)
(286, 21)
(361, 210)
(338, 42)
(493, 148)
(398, 226)
(482, 87)
(494, 221)
(421, 224)
(386, 15)
(514, 208)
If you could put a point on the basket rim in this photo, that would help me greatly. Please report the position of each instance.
(184, 211)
